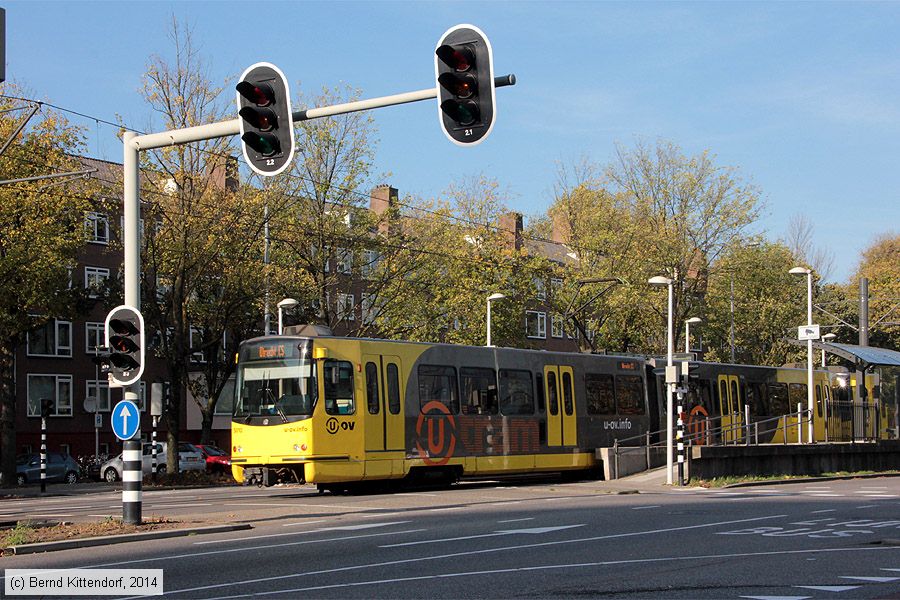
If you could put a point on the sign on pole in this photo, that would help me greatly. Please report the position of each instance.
(125, 419)
(808, 332)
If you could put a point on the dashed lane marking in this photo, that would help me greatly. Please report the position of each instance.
(828, 588)
(646, 507)
(776, 597)
(826, 510)
(516, 520)
(871, 579)
(318, 530)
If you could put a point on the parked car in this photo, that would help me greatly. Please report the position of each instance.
(217, 460)
(60, 467)
(189, 459)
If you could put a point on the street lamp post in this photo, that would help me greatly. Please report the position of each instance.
(286, 303)
(491, 298)
(671, 379)
(826, 338)
(687, 332)
(810, 392)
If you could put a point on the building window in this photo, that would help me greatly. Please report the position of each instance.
(94, 337)
(344, 261)
(367, 307)
(540, 289)
(535, 324)
(345, 307)
(65, 449)
(97, 228)
(95, 280)
(555, 285)
(369, 263)
(196, 345)
(57, 388)
(54, 338)
(556, 326)
(100, 390)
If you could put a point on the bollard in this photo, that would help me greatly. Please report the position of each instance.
(680, 440)
(153, 441)
(43, 454)
(131, 482)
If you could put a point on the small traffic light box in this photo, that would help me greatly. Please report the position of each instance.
(464, 70)
(125, 340)
(267, 126)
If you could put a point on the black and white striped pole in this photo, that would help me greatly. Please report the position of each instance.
(131, 482)
(46, 405)
(679, 436)
(157, 391)
(126, 420)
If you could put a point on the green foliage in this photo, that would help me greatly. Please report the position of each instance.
(881, 265)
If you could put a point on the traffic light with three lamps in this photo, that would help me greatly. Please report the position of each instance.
(463, 65)
(125, 342)
(267, 126)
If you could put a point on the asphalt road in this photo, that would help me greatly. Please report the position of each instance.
(834, 539)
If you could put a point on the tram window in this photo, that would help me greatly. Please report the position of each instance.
(629, 395)
(552, 398)
(372, 388)
(539, 380)
(479, 391)
(756, 399)
(819, 399)
(516, 392)
(393, 388)
(339, 388)
(778, 398)
(735, 397)
(601, 396)
(703, 391)
(438, 384)
(723, 395)
(568, 400)
(797, 395)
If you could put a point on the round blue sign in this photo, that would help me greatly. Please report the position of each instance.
(125, 419)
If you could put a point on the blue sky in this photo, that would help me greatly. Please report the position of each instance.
(803, 97)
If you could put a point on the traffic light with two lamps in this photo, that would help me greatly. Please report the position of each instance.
(464, 70)
(125, 345)
(267, 126)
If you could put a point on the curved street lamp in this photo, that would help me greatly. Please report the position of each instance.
(660, 281)
(284, 304)
(810, 397)
(687, 332)
(491, 298)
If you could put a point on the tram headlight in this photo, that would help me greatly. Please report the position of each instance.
(237, 449)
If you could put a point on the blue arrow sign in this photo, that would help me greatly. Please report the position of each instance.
(125, 419)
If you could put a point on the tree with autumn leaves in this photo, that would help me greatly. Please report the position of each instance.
(42, 230)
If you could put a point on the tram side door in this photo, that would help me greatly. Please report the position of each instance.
(730, 407)
(559, 390)
(383, 407)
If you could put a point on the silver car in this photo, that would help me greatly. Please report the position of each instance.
(189, 459)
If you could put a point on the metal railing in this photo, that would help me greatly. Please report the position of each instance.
(846, 422)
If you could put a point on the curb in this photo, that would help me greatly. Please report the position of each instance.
(123, 538)
(808, 480)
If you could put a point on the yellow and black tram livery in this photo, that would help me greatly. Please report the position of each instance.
(334, 411)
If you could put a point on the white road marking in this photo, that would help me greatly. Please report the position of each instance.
(825, 495)
(483, 535)
(318, 530)
(271, 504)
(305, 523)
(868, 506)
(183, 505)
(485, 572)
(776, 597)
(829, 588)
(894, 570)
(516, 520)
(51, 515)
(104, 516)
(819, 512)
(646, 507)
(881, 496)
(872, 579)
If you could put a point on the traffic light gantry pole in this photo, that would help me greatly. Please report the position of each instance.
(133, 145)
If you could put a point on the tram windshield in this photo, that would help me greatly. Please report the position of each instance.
(275, 378)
